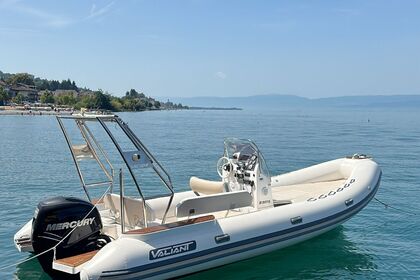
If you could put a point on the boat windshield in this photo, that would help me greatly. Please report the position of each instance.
(241, 150)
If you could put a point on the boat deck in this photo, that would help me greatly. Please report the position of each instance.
(293, 193)
(301, 192)
(73, 264)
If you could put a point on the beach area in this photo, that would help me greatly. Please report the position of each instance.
(34, 111)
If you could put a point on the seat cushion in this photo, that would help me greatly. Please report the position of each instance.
(205, 186)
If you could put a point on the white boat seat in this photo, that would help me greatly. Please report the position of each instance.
(112, 202)
(134, 212)
(133, 209)
(213, 203)
(205, 186)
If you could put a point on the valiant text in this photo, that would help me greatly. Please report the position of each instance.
(172, 250)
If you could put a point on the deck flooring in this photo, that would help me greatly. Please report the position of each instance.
(75, 261)
(301, 192)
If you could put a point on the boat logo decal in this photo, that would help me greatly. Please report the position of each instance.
(172, 250)
(331, 193)
(67, 225)
(265, 201)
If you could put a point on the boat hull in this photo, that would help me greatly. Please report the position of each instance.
(249, 235)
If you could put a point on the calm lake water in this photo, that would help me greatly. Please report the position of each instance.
(377, 243)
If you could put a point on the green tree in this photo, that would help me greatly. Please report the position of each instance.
(84, 102)
(134, 94)
(44, 85)
(66, 99)
(141, 104)
(54, 85)
(65, 84)
(4, 96)
(23, 78)
(18, 99)
(101, 101)
(116, 104)
(47, 97)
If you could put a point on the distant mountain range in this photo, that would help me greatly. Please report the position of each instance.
(276, 101)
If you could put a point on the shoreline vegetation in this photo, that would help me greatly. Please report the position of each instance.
(23, 93)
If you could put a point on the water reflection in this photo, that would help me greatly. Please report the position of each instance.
(30, 270)
(330, 255)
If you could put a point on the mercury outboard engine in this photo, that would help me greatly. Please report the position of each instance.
(54, 219)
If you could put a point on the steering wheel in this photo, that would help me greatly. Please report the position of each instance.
(221, 163)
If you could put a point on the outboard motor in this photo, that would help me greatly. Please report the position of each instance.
(55, 218)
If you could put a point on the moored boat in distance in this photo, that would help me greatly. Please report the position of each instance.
(123, 232)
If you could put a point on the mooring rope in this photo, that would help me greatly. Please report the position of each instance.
(61, 241)
(395, 208)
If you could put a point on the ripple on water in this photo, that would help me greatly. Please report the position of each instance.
(377, 243)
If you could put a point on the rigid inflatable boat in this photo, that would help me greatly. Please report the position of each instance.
(129, 234)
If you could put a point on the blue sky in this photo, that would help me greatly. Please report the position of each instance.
(217, 48)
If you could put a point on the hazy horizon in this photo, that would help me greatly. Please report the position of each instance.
(217, 48)
(293, 95)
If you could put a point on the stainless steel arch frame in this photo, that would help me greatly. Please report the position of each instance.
(141, 158)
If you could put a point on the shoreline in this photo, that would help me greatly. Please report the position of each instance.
(33, 113)
(19, 112)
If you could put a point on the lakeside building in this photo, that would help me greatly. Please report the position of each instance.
(29, 93)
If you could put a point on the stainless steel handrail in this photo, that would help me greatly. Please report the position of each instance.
(89, 117)
(140, 146)
(98, 184)
(101, 149)
(104, 154)
(81, 127)
(128, 167)
(122, 214)
(79, 172)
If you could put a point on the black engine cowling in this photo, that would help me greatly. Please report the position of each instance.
(55, 218)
